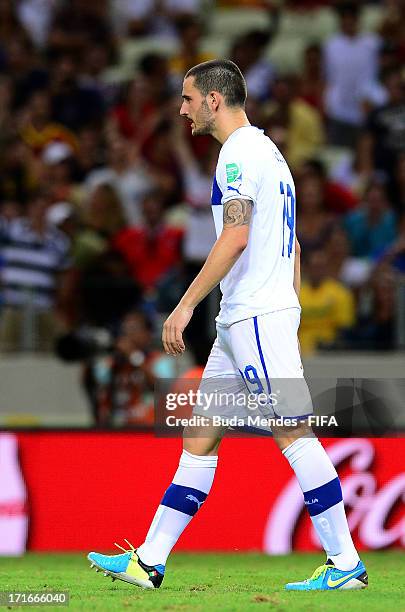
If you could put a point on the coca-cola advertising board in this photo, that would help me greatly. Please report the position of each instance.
(13, 497)
(88, 490)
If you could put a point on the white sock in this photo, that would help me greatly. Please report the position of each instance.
(188, 491)
(320, 484)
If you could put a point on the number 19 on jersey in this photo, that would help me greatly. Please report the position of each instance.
(288, 218)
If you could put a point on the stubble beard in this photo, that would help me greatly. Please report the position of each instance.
(206, 120)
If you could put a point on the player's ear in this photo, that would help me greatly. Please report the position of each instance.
(214, 100)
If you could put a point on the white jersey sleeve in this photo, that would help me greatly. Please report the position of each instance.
(237, 174)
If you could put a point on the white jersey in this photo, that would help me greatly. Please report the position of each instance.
(261, 281)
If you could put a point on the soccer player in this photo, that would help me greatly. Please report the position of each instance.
(255, 259)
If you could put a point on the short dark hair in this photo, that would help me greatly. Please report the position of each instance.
(222, 76)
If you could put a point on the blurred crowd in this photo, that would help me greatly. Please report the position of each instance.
(105, 198)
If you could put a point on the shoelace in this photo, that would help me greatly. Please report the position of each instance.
(131, 549)
(319, 571)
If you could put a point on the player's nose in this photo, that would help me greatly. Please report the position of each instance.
(183, 112)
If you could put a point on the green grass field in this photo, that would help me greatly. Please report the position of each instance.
(220, 582)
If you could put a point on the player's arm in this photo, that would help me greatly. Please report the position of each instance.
(224, 254)
(297, 268)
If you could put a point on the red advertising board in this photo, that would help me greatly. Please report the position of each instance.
(89, 490)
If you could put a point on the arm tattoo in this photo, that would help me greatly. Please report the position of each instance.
(237, 212)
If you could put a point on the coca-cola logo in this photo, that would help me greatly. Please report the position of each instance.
(368, 507)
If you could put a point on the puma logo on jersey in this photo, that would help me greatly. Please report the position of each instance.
(234, 189)
(312, 501)
(194, 499)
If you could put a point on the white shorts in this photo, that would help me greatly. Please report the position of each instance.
(257, 357)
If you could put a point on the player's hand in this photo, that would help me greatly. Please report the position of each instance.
(175, 324)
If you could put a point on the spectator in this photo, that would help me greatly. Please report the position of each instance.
(63, 216)
(311, 84)
(327, 306)
(385, 129)
(314, 222)
(9, 24)
(57, 159)
(371, 227)
(92, 75)
(375, 329)
(336, 197)
(301, 123)
(103, 217)
(75, 22)
(36, 17)
(121, 385)
(152, 249)
(7, 123)
(199, 234)
(156, 17)
(247, 53)
(197, 175)
(392, 29)
(9, 211)
(74, 105)
(353, 272)
(158, 152)
(98, 288)
(395, 254)
(353, 171)
(375, 93)
(34, 255)
(89, 154)
(16, 170)
(383, 316)
(38, 129)
(105, 291)
(351, 64)
(397, 186)
(154, 68)
(25, 69)
(190, 31)
(128, 174)
(136, 115)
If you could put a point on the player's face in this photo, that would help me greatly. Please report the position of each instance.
(196, 110)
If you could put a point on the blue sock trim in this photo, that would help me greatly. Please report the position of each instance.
(160, 568)
(261, 354)
(183, 499)
(320, 499)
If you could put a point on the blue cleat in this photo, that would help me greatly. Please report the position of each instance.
(327, 577)
(128, 567)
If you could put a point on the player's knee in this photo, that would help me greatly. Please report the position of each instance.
(197, 444)
(284, 436)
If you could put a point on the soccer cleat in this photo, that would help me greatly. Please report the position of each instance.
(327, 577)
(128, 567)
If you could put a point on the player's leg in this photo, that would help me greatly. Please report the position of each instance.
(322, 492)
(190, 486)
(145, 566)
(271, 345)
(185, 495)
(195, 474)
